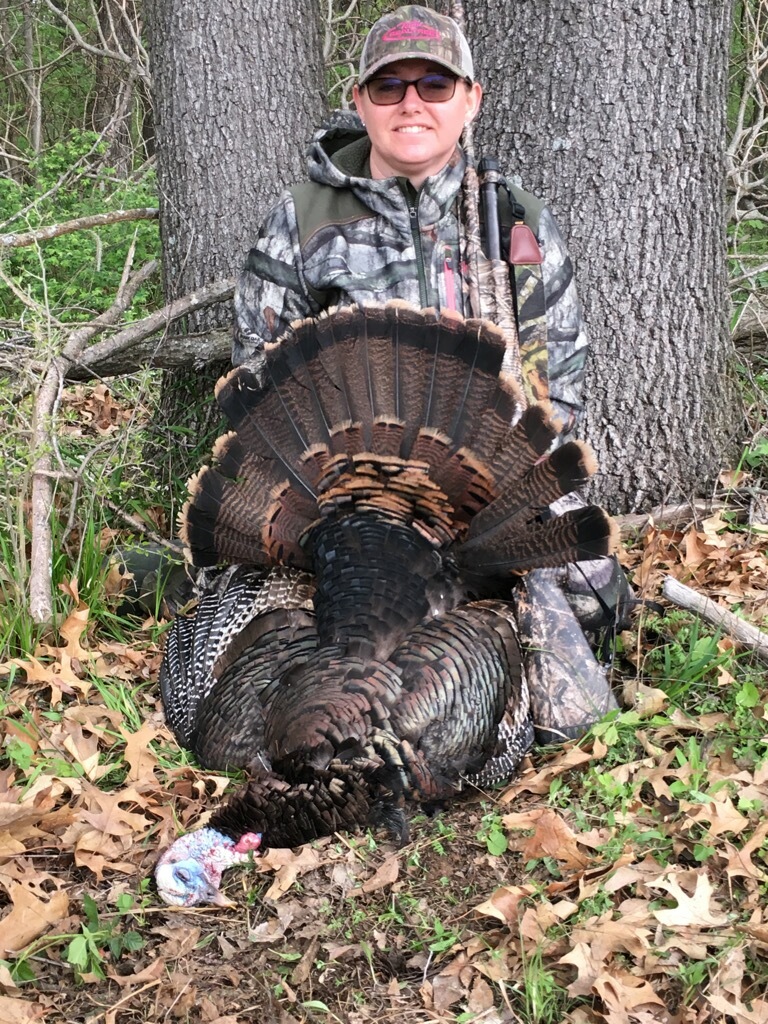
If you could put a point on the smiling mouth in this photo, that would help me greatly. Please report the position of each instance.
(412, 129)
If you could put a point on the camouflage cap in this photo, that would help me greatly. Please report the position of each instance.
(415, 32)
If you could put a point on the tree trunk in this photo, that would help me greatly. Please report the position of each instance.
(32, 81)
(238, 90)
(112, 103)
(616, 114)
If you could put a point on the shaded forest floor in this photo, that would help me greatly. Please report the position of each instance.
(619, 880)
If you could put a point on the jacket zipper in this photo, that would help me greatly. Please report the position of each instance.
(413, 213)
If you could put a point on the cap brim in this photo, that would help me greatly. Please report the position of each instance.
(393, 58)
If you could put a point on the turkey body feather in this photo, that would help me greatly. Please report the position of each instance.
(382, 481)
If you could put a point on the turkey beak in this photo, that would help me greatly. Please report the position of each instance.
(218, 899)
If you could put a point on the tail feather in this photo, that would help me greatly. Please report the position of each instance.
(488, 425)
(263, 421)
(245, 521)
(340, 340)
(566, 469)
(577, 535)
(512, 451)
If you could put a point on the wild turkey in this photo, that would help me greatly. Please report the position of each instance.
(375, 499)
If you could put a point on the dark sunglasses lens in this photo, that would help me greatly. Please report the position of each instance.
(436, 88)
(386, 90)
(431, 88)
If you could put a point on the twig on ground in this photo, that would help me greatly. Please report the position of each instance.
(743, 632)
(141, 527)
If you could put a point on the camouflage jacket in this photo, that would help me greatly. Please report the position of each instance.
(396, 243)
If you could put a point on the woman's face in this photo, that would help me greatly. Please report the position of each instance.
(415, 138)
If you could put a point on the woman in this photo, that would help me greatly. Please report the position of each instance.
(381, 215)
(381, 219)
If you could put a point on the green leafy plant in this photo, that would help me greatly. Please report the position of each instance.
(492, 834)
(100, 939)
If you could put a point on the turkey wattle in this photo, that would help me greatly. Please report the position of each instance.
(382, 482)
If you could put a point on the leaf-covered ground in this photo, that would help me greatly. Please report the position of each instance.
(619, 880)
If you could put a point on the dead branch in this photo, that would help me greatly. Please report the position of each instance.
(166, 353)
(743, 632)
(667, 516)
(13, 241)
(129, 348)
(40, 597)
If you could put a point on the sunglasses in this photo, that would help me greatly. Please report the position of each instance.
(432, 88)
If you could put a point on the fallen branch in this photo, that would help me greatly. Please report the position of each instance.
(667, 516)
(129, 348)
(15, 241)
(743, 632)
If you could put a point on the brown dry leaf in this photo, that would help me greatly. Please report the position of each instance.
(59, 676)
(111, 818)
(8, 986)
(552, 837)
(181, 938)
(446, 990)
(537, 782)
(646, 700)
(536, 922)
(481, 997)
(179, 995)
(269, 931)
(698, 910)
(587, 967)
(726, 991)
(737, 1011)
(20, 1011)
(73, 628)
(137, 752)
(30, 916)
(722, 816)
(152, 972)
(386, 874)
(622, 992)
(288, 866)
(504, 903)
(631, 933)
(740, 861)
(17, 818)
(106, 830)
(83, 748)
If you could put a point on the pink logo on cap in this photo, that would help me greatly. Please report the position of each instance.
(410, 30)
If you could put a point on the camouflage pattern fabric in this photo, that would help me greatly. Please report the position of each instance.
(415, 32)
(569, 689)
(381, 256)
(486, 283)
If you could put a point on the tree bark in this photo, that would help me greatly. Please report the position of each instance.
(616, 114)
(238, 89)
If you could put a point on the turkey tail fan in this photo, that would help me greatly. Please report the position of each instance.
(366, 387)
